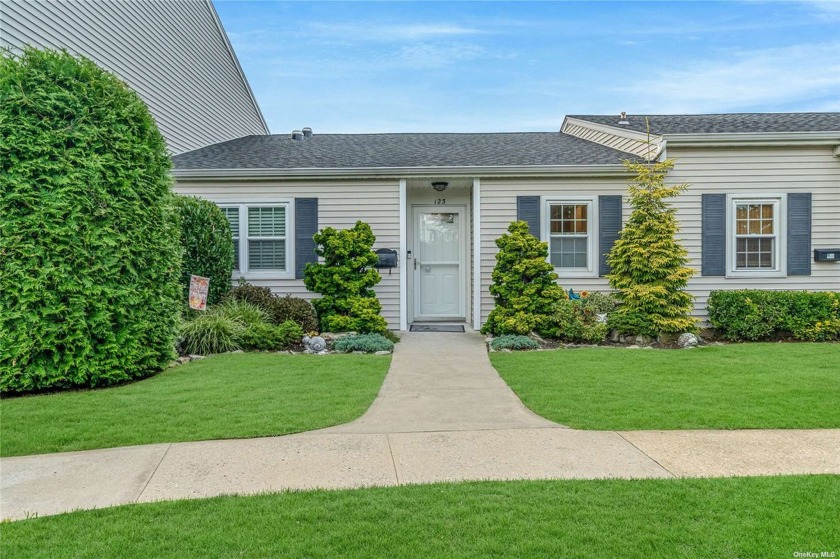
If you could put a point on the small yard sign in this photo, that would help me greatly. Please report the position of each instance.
(198, 292)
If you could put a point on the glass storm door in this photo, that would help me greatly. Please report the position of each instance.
(438, 266)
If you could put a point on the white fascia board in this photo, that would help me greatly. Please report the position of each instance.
(616, 169)
(615, 131)
(755, 139)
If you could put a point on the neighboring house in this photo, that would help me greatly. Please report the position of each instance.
(765, 192)
(176, 55)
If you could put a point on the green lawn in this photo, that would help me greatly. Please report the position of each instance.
(221, 397)
(739, 386)
(708, 518)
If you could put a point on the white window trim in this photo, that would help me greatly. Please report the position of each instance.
(289, 272)
(780, 199)
(591, 270)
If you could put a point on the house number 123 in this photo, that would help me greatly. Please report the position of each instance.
(440, 201)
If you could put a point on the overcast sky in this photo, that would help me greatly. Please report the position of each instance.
(352, 67)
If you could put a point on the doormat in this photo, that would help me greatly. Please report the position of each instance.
(436, 328)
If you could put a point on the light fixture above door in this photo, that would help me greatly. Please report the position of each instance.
(440, 186)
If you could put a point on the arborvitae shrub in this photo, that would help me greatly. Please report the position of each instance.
(207, 246)
(345, 280)
(523, 287)
(89, 254)
(648, 264)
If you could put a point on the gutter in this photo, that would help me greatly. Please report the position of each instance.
(204, 175)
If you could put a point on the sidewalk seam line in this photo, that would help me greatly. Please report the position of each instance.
(655, 461)
(148, 481)
(393, 462)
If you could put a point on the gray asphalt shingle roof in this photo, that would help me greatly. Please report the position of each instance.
(724, 123)
(339, 151)
(399, 150)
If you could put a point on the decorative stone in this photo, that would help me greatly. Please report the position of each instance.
(197, 357)
(315, 343)
(647, 347)
(238, 351)
(687, 340)
(323, 352)
(182, 360)
(632, 347)
(601, 318)
(384, 352)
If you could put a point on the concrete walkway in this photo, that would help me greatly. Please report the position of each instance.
(443, 414)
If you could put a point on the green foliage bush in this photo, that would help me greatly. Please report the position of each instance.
(269, 337)
(752, 314)
(89, 292)
(243, 312)
(277, 309)
(575, 321)
(523, 287)
(345, 280)
(368, 343)
(211, 333)
(513, 341)
(294, 308)
(601, 303)
(207, 246)
(648, 264)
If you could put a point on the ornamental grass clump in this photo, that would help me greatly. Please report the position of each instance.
(649, 266)
(89, 252)
(345, 280)
(524, 285)
(211, 333)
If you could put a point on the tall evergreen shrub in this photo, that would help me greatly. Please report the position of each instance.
(207, 244)
(89, 255)
(648, 264)
(524, 285)
(345, 280)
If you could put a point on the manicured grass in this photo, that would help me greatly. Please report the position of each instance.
(221, 397)
(739, 386)
(709, 518)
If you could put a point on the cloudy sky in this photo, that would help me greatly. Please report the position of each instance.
(351, 67)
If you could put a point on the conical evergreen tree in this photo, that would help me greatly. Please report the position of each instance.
(524, 284)
(648, 263)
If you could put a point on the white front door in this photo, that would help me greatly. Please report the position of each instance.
(438, 263)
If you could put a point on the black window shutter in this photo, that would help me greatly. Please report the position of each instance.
(713, 236)
(306, 225)
(609, 226)
(799, 234)
(528, 210)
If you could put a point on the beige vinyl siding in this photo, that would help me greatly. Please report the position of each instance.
(758, 170)
(173, 54)
(340, 205)
(634, 146)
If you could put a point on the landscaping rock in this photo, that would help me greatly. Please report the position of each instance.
(238, 351)
(687, 340)
(322, 352)
(633, 347)
(197, 357)
(385, 352)
(182, 360)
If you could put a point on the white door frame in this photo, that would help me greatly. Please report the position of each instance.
(461, 210)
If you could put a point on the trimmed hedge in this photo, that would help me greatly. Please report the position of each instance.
(753, 314)
(89, 255)
(207, 244)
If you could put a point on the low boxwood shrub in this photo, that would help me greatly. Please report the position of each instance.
(211, 333)
(299, 310)
(368, 343)
(753, 314)
(268, 337)
(513, 341)
(574, 321)
(207, 244)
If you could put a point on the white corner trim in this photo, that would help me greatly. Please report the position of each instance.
(837, 151)
(403, 260)
(476, 208)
